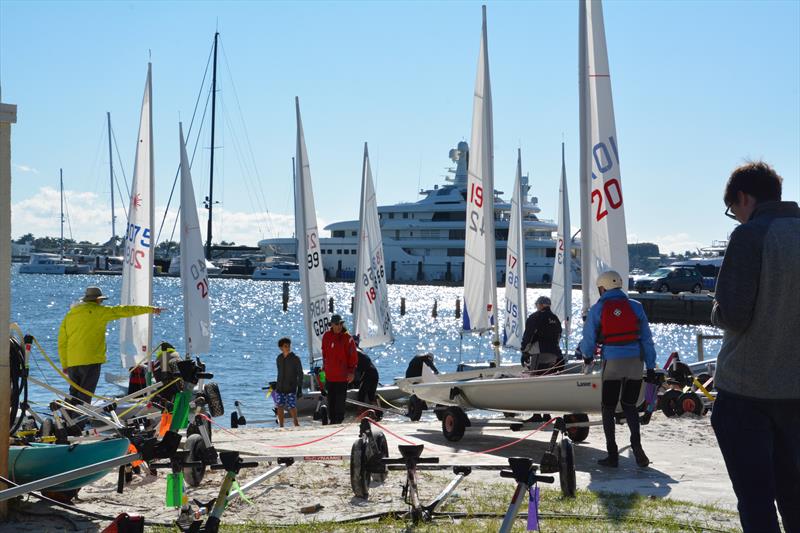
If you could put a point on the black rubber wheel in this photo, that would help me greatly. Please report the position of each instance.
(383, 447)
(454, 422)
(415, 407)
(439, 414)
(566, 468)
(359, 477)
(697, 289)
(668, 403)
(196, 448)
(323, 414)
(690, 403)
(214, 399)
(663, 288)
(577, 434)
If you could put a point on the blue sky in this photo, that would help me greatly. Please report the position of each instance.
(698, 87)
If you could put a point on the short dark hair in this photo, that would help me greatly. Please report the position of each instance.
(756, 178)
(284, 340)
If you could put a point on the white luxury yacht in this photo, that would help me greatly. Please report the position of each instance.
(424, 240)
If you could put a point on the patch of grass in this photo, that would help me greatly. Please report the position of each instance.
(472, 508)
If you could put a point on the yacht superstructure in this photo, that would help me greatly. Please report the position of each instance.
(424, 241)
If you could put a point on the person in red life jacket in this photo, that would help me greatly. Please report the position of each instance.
(620, 327)
(339, 361)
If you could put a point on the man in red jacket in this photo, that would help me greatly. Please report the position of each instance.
(339, 360)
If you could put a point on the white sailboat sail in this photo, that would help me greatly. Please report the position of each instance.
(561, 288)
(516, 305)
(194, 278)
(137, 270)
(480, 275)
(603, 236)
(312, 275)
(371, 319)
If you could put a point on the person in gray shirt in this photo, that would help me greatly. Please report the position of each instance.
(289, 385)
(756, 415)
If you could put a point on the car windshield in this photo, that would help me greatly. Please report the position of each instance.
(661, 272)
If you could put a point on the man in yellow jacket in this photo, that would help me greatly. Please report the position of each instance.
(82, 338)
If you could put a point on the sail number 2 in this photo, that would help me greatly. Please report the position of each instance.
(198, 272)
(609, 196)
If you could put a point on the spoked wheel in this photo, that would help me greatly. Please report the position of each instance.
(580, 433)
(196, 448)
(691, 403)
(669, 403)
(454, 422)
(359, 477)
(566, 468)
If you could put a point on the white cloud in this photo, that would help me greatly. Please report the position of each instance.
(25, 168)
(90, 219)
(678, 243)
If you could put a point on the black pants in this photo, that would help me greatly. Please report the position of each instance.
(760, 442)
(369, 384)
(629, 388)
(86, 376)
(337, 394)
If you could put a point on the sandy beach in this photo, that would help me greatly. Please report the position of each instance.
(686, 465)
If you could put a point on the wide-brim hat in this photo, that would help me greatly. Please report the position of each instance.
(93, 294)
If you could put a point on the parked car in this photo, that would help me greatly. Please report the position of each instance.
(672, 279)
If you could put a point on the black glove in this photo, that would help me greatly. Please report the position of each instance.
(651, 376)
(587, 360)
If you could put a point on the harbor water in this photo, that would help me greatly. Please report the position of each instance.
(247, 321)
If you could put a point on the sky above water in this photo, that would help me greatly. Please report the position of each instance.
(699, 88)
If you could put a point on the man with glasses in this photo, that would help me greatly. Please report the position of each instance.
(756, 415)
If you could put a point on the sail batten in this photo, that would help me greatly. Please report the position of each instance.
(516, 304)
(312, 276)
(371, 319)
(137, 270)
(480, 265)
(603, 234)
(194, 278)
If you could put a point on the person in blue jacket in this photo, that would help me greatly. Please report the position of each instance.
(619, 326)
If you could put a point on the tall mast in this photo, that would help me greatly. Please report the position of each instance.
(111, 178)
(61, 185)
(583, 90)
(210, 199)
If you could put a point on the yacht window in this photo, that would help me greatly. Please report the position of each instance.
(405, 215)
(353, 233)
(391, 215)
(338, 252)
(551, 252)
(457, 234)
(347, 252)
(337, 233)
(455, 252)
(353, 252)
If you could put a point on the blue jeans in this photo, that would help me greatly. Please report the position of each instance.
(760, 442)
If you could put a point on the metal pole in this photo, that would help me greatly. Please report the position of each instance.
(211, 169)
(513, 508)
(699, 346)
(586, 230)
(61, 185)
(111, 178)
(8, 116)
(19, 490)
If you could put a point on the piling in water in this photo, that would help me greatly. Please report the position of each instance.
(402, 306)
(458, 307)
(435, 312)
(330, 305)
(285, 296)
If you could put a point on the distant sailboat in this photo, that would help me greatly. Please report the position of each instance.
(194, 279)
(480, 282)
(312, 274)
(516, 304)
(137, 270)
(371, 319)
(561, 288)
(603, 236)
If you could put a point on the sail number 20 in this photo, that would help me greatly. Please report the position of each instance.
(610, 193)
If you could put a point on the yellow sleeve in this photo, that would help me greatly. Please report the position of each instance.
(122, 311)
(62, 344)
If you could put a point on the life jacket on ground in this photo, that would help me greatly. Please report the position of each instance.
(618, 323)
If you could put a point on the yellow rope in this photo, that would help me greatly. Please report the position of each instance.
(387, 403)
(148, 398)
(702, 389)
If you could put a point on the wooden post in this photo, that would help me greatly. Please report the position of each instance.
(435, 312)
(330, 304)
(458, 307)
(402, 306)
(8, 116)
(285, 296)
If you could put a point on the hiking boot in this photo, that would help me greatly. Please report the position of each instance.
(612, 461)
(641, 458)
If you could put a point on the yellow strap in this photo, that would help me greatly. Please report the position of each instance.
(702, 389)
(148, 398)
(387, 403)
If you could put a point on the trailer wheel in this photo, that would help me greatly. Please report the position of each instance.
(415, 407)
(690, 403)
(577, 434)
(453, 423)
(214, 399)
(359, 477)
(196, 448)
(439, 414)
(669, 403)
(566, 468)
(383, 448)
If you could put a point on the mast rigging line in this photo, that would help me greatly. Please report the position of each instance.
(124, 177)
(188, 134)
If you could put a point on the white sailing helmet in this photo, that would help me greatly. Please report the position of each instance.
(610, 279)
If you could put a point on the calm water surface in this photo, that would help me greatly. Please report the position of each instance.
(247, 321)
